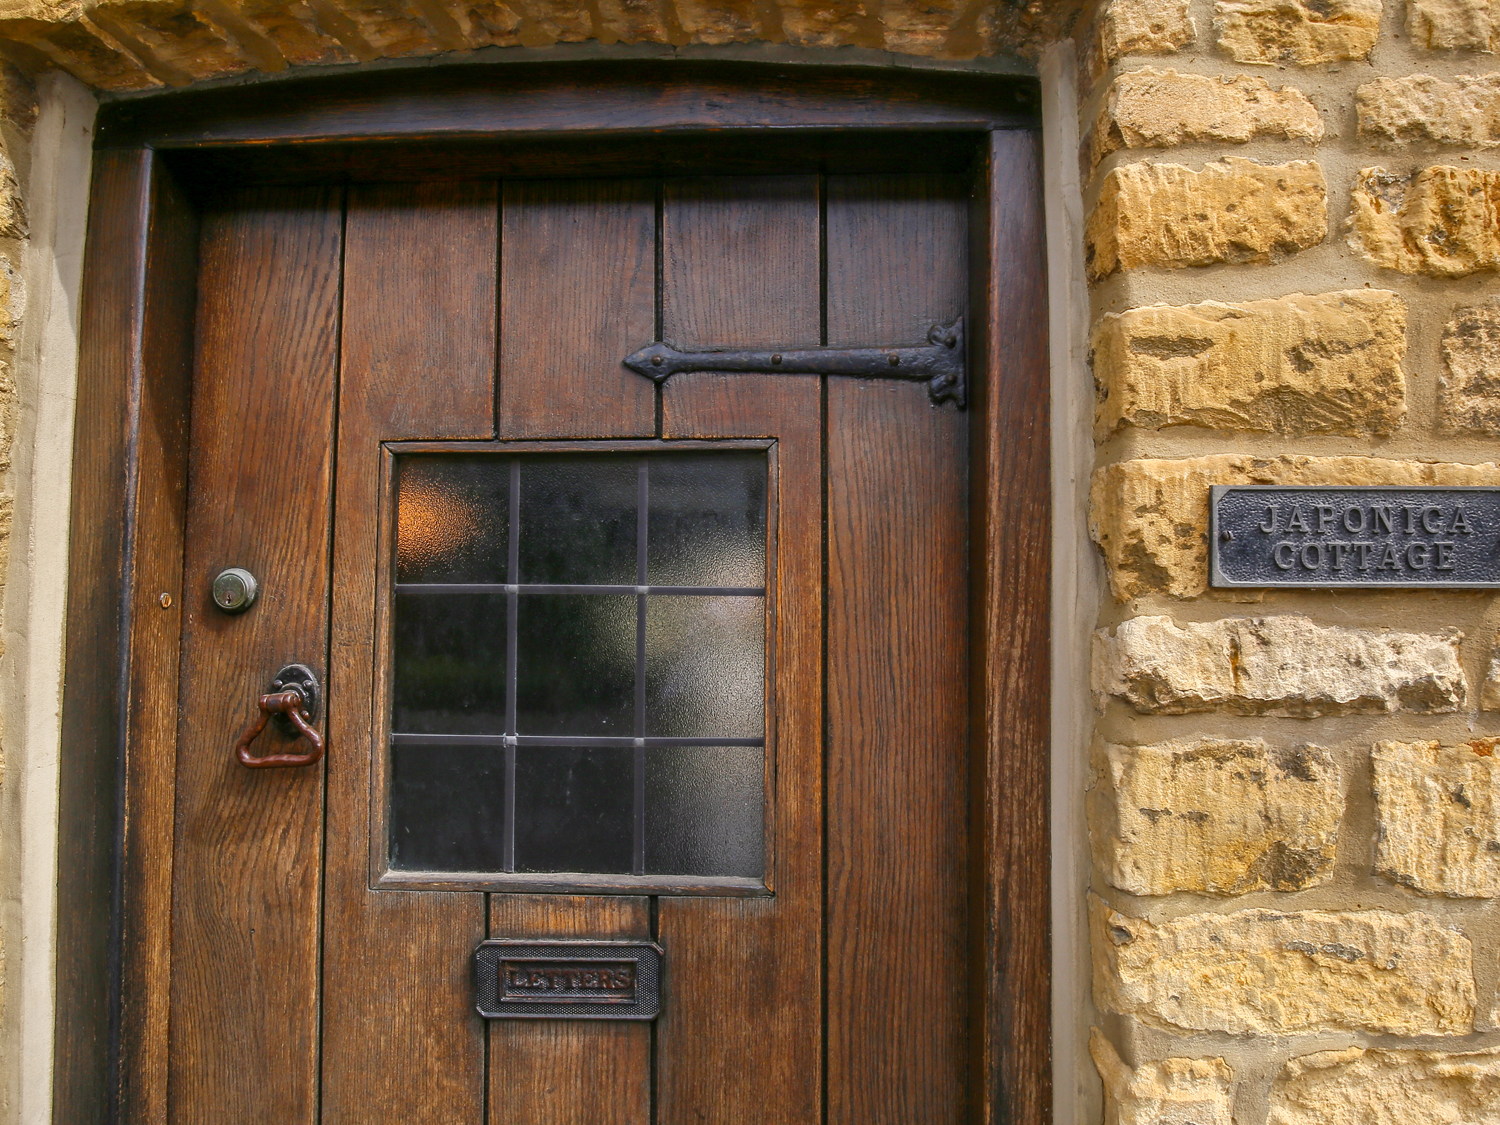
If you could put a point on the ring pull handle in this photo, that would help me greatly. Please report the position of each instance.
(293, 703)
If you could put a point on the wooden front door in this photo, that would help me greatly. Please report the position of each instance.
(721, 678)
(412, 425)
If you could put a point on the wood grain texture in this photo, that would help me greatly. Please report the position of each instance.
(402, 1044)
(740, 261)
(248, 842)
(1011, 543)
(420, 312)
(637, 96)
(897, 724)
(739, 1038)
(109, 370)
(578, 294)
(159, 519)
(727, 152)
(570, 1072)
(578, 270)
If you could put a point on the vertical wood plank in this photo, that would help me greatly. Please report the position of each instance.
(155, 564)
(109, 365)
(578, 263)
(560, 375)
(402, 1044)
(897, 750)
(740, 261)
(570, 1072)
(248, 842)
(739, 1038)
(1011, 544)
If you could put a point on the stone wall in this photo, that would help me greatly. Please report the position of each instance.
(1292, 243)
(125, 45)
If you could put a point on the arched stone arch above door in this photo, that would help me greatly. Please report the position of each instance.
(144, 44)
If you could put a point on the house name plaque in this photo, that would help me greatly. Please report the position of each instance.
(1354, 536)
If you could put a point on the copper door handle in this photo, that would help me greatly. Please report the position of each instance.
(294, 706)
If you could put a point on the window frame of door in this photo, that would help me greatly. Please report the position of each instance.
(152, 157)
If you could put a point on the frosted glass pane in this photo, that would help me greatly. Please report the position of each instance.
(451, 519)
(704, 666)
(450, 664)
(447, 808)
(705, 810)
(575, 664)
(707, 522)
(578, 519)
(573, 808)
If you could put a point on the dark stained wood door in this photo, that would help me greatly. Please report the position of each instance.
(336, 327)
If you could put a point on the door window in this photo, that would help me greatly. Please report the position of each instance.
(579, 664)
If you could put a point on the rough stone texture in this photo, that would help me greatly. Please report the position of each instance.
(1234, 210)
(1489, 694)
(121, 45)
(1150, 516)
(1438, 810)
(1150, 108)
(1218, 816)
(1446, 25)
(1449, 111)
(1469, 391)
(1303, 32)
(1442, 221)
(1368, 1086)
(1169, 1092)
(1135, 27)
(1267, 972)
(1286, 665)
(1323, 364)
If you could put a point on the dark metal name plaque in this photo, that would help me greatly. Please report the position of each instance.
(1374, 535)
(568, 980)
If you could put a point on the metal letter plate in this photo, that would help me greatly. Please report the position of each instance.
(1362, 536)
(568, 980)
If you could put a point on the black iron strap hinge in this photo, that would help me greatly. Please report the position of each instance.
(940, 362)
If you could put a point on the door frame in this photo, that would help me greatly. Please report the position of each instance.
(154, 157)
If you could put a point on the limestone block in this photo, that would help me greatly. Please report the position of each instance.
(1304, 32)
(832, 23)
(486, 24)
(1446, 25)
(12, 205)
(1234, 210)
(1150, 517)
(292, 30)
(1168, 1092)
(651, 21)
(1151, 108)
(1369, 1086)
(1144, 27)
(1438, 816)
(1272, 972)
(1489, 694)
(1220, 816)
(73, 43)
(1322, 364)
(181, 43)
(1285, 665)
(1469, 390)
(1448, 111)
(1442, 221)
(17, 98)
(714, 21)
